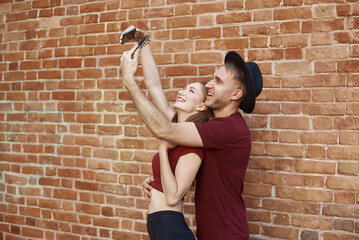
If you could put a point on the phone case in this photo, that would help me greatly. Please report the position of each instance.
(128, 35)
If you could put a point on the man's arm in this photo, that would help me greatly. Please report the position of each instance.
(184, 133)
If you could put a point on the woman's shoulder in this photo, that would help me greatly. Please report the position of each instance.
(183, 150)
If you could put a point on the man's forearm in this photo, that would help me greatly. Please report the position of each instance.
(152, 117)
(180, 133)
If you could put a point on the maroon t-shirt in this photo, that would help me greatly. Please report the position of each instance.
(220, 209)
(173, 155)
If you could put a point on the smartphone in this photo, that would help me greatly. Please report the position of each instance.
(142, 43)
(128, 35)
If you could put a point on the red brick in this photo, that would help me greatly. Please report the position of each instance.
(257, 190)
(70, 63)
(207, 8)
(290, 27)
(15, 56)
(311, 195)
(29, 45)
(69, 106)
(86, 140)
(343, 224)
(310, 222)
(49, 182)
(349, 123)
(177, 22)
(109, 61)
(316, 152)
(16, 96)
(315, 167)
(105, 177)
(65, 194)
(89, 73)
(204, 57)
(71, 41)
(63, 95)
(16, 16)
(89, 95)
(348, 169)
(131, 4)
(92, 28)
(178, 46)
(49, 74)
(112, 16)
(32, 232)
(322, 26)
(343, 183)
(106, 153)
(280, 232)
(89, 118)
(92, 7)
(158, 12)
(67, 150)
(13, 76)
(86, 186)
(204, 33)
(344, 197)
(181, 70)
(337, 210)
(292, 13)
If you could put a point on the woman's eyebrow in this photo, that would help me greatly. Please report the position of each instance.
(193, 88)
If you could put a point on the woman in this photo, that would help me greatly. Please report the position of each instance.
(174, 169)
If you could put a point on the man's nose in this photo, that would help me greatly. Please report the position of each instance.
(209, 84)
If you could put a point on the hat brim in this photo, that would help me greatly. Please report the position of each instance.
(248, 103)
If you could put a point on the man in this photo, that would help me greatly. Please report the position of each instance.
(220, 210)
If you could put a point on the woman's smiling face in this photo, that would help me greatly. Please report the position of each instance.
(190, 99)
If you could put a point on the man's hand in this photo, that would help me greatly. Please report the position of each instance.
(146, 187)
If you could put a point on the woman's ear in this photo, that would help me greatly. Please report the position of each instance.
(237, 94)
(201, 108)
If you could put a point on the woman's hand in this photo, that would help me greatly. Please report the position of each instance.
(166, 145)
(129, 65)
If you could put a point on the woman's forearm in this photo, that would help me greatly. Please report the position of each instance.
(153, 82)
(168, 180)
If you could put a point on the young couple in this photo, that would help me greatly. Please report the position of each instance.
(203, 137)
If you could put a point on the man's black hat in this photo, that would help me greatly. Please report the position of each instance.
(253, 77)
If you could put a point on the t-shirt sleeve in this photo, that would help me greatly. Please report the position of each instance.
(198, 151)
(218, 134)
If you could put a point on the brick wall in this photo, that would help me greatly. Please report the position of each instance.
(73, 150)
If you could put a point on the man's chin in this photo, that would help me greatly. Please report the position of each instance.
(208, 103)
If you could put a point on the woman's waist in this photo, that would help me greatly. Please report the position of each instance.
(158, 203)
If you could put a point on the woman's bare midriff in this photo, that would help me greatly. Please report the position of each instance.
(158, 203)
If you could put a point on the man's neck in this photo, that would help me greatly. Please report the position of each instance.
(225, 112)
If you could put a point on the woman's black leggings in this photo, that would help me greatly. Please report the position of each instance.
(168, 225)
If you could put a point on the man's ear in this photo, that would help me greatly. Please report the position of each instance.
(237, 94)
(201, 108)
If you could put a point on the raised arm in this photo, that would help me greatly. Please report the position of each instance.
(151, 75)
(153, 82)
(184, 133)
(176, 186)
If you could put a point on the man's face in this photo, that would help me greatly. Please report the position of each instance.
(221, 89)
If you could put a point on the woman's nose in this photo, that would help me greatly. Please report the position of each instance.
(181, 92)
